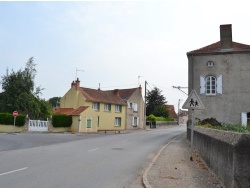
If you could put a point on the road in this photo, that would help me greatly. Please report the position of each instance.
(106, 161)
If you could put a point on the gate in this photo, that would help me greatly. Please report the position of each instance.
(37, 125)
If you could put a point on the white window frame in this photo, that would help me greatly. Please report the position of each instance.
(96, 105)
(135, 121)
(118, 121)
(118, 108)
(211, 85)
(107, 107)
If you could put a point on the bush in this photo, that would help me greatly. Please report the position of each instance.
(61, 120)
(211, 121)
(8, 119)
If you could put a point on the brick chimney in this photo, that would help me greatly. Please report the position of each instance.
(226, 36)
(73, 84)
(116, 92)
(77, 83)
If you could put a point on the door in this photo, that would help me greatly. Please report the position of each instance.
(243, 118)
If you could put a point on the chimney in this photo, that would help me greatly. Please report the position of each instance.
(77, 83)
(226, 36)
(73, 84)
(116, 92)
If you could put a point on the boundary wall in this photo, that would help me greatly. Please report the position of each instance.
(226, 153)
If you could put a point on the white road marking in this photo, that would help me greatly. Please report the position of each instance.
(13, 171)
(92, 149)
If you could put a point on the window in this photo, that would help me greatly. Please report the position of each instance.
(210, 63)
(96, 105)
(118, 108)
(107, 107)
(89, 123)
(135, 107)
(211, 85)
(135, 121)
(118, 121)
(130, 105)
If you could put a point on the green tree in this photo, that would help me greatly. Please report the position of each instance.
(161, 111)
(154, 99)
(19, 92)
(54, 102)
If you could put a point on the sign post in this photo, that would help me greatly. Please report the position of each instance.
(193, 102)
(15, 114)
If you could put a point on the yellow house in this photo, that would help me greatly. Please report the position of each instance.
(93, 110)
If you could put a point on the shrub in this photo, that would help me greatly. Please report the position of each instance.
(61, 120)
(211, 121)
(8, 119)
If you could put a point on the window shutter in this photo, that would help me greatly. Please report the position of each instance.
(133, 121)
(219, 84)
(137, 121)
(202, 85)
(135, 107)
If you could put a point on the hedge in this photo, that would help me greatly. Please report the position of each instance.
(8, 119)
(61, 120)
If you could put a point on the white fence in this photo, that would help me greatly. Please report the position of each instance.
(37, 125)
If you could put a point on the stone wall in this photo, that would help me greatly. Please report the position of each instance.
(226, 153)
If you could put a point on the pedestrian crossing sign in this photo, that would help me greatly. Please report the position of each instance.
(193, 102)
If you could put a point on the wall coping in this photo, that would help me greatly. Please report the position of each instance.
(230, 137)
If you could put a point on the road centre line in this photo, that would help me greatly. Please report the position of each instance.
(13, 171)
(93, 150)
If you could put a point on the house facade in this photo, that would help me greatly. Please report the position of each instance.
(101, 110)
(135, 118)
(219, 73)
(95, 110)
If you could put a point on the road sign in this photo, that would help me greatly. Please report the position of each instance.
(15, 113)
(193, 102)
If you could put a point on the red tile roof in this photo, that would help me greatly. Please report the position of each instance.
(215, 48)
(171, 111)
(125, 94)
(70, 111)
(94, 95)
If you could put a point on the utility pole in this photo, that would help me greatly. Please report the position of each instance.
(145, 123)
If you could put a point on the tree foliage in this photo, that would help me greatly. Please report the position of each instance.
(54, 102)
(19, 93)
(155, 102)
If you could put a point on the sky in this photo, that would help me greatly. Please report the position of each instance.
(114, 44)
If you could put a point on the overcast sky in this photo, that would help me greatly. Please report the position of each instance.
(114, 42)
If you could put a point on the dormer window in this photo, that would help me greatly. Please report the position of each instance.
(210, 63)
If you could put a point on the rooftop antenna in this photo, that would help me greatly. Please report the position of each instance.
(77, 71)
(139, 80)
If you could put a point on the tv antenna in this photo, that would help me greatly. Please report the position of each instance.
(77, 70)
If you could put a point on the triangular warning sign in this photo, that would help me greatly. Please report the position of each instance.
(193, 102)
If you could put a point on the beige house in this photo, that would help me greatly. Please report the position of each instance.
(97, 110)
(135, 107)
(219, 72)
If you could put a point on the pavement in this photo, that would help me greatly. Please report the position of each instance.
(172, 168)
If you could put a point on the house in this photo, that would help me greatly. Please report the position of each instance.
(219, 72)
(171, 112)
(183, 116)
(135, 107)
(95, 110)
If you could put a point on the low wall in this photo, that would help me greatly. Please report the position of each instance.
(226, 153)
(11, 129)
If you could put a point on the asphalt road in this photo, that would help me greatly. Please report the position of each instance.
(91, 161)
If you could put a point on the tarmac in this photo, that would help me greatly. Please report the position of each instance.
(172, 168)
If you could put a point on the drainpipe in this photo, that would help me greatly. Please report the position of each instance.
(79, 123)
